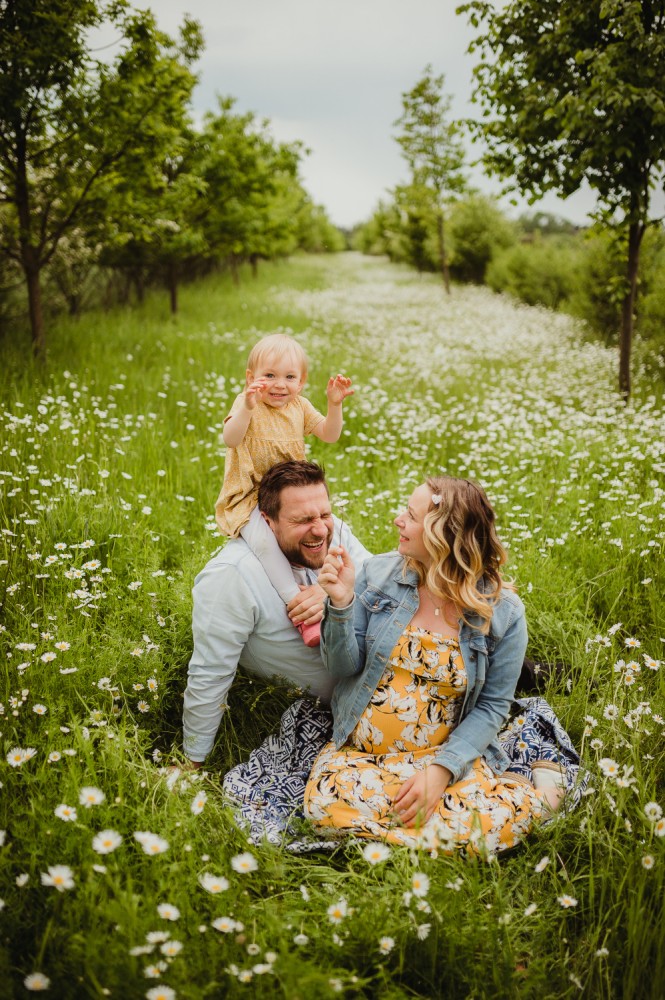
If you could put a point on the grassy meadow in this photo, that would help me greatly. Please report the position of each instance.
(110, 463)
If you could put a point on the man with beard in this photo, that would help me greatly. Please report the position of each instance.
(238, 617)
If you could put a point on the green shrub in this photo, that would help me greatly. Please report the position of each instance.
(478, 232)
(542, 272)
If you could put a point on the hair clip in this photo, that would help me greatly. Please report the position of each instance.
(436, 499)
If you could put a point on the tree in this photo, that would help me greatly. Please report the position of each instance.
(418, 216)
(68, 120)
(577, 93)
(431, 146)
(147, 226)
(246, 175)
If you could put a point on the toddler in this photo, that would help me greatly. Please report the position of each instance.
(267, 424)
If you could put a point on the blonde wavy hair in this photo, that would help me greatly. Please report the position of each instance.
(467, 556)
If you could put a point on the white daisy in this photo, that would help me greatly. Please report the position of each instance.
(61, 877)
(244, 863)
(106, 841)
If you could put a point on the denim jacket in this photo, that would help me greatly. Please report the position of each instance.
(357, 641)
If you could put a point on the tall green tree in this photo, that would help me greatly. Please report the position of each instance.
(431, 146)
(575, 92)
(67, 120)
(245, 173)
(147, 224)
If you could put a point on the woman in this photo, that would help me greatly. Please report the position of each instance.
(428, 650)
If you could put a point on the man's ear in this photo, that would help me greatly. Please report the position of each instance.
(266, 519)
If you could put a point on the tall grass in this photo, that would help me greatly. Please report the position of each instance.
(111, 462)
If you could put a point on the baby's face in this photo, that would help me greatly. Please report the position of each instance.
(282, 377)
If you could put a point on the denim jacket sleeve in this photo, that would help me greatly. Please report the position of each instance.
(481, 725)
(343, 633)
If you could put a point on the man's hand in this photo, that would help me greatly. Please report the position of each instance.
(420, 794)
(255, 392)
(337, 577)
(307, 607)
(338, 388)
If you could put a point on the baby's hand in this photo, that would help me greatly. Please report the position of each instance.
(255, 392)
(339, 387)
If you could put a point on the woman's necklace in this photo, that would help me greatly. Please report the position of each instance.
(440, 610)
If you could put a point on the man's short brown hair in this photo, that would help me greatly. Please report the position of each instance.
(286, 474)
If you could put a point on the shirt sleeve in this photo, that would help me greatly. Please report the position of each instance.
(221, 628)
(311, 416)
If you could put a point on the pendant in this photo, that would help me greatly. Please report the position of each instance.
(436, 612)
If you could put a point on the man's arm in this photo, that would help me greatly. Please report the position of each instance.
(223, 618)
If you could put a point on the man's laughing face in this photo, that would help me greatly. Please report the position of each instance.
(304, 525)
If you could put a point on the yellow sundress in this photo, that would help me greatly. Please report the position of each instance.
(412, 712)
(274, 435)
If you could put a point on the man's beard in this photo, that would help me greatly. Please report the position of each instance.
(297, 555)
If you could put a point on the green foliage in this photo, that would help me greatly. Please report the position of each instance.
(590, 74)
(70, 125)
(574, 93)
(100, 164)
(478, 231)
(544, 272)
(583, 274)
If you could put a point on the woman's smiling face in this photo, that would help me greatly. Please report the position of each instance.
(410, 525)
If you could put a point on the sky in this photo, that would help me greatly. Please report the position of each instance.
(331, 74)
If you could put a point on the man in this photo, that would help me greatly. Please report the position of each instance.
(238, 617)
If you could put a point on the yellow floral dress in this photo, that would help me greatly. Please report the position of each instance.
(412, 712)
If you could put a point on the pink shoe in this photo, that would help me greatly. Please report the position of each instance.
(311, 634)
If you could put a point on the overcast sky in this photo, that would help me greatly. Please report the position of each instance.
(331, 73)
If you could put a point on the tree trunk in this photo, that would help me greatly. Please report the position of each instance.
(235, 274)
(443, 259)
(635, 234)
(32, 276)
(30, 259)
(172, 278)
(139, 286)
(254, 261)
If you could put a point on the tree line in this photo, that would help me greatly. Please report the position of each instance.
(571, 92)
(103, 167)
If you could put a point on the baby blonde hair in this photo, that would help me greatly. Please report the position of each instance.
(278, 345)
(459, 534)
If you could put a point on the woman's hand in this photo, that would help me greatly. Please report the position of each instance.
(307, 607)
(420, 794)
(337, 577)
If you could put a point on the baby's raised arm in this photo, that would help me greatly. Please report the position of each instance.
(338, 388)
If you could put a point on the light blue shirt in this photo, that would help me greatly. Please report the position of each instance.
(238, 619)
